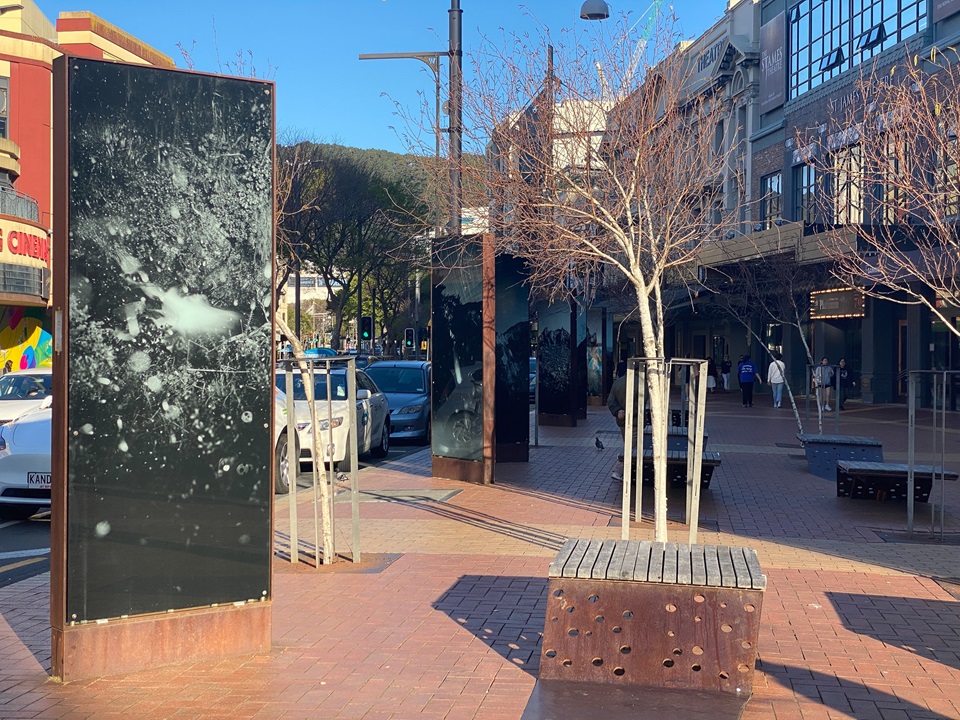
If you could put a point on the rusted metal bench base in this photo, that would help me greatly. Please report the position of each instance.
(666, 615)
(885, 481)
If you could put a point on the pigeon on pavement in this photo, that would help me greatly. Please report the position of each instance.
(596, 441)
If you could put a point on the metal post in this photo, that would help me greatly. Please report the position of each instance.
(294, 463)
(296, 291)
(456, 116)
(693, 506)
(943, 451)
(628, 460)
(911, 454)
(354, 463)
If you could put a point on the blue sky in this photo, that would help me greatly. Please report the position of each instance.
(310, 48)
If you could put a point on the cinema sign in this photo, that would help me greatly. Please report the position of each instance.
(24, 243)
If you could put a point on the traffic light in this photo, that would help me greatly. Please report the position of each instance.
(408, 338)
(366, 328)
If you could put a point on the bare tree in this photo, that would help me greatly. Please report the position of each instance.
(603, 167)
(890, 165)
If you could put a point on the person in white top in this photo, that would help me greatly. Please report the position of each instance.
(776, 376)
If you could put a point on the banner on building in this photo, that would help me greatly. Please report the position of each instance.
(773, 51)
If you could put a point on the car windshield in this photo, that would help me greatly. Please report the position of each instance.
(25, 387)
(338, 385)
(397, 379)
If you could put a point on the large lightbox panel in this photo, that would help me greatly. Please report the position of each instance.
(169, 326)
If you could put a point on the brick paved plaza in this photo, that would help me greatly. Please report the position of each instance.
(443, 617)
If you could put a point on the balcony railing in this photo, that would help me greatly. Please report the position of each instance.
(18, 205)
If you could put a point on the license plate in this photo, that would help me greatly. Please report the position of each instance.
(38, 480)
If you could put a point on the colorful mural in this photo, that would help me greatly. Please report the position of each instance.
(24, 340)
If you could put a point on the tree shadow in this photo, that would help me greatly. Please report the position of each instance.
(850, 697)
(927, 628)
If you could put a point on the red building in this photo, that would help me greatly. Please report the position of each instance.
(29, 43)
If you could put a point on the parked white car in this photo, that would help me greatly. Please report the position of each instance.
(281, 462)
(373, 416)
(25, 462)
(23, 390)
(25, 458)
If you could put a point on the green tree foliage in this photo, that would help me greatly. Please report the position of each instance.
(353, 217)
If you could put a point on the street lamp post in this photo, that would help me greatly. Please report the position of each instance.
(455, 106)
(432, 61)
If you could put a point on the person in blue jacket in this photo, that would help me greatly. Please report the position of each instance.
(747, 373)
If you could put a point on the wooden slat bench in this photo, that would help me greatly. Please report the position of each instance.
(657, 614)
(823, 451)
(676, 437)
(677, 466)
(886, 481)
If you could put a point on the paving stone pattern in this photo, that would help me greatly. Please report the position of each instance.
(443, 618)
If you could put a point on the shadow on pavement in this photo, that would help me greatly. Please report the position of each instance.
(849, 697)
(929, 629)
(504, 612)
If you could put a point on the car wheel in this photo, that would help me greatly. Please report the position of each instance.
(381, 450)
(17, 512)
(281, 467)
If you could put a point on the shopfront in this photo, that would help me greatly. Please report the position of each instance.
(25, 326)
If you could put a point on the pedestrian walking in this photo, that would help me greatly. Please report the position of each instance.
(777, 377)
(711, 375)
(7, 367)
(822, 382)
(843, 380)
(725, 372)
(746, 374)
(617, 405)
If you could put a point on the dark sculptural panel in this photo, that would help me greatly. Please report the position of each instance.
(169, 367)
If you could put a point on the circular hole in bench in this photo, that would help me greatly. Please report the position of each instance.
(670, 607)
(617, 629)
(749, 608)
(668, 663)
(599, 618)
(726, 628)
(696, 650)
(593, 598)
(618, 671)
(550, 653)
(627, 614)
(696, 668)
(699, 598)
(573, 632)
(597, 662)
(625, 649)
(724, 675)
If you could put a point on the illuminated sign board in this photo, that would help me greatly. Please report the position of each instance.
(831, 304)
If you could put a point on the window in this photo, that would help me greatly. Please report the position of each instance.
(4, 107)
(947, 181)
(804, 193)
(828, 37)
(771, 198)
(893, 181)
(848, 185)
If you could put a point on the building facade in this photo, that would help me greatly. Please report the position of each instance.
(29, 43)
(804, 149)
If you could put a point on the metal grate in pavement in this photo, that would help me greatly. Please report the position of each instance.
(919, 537)
(399, 496)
